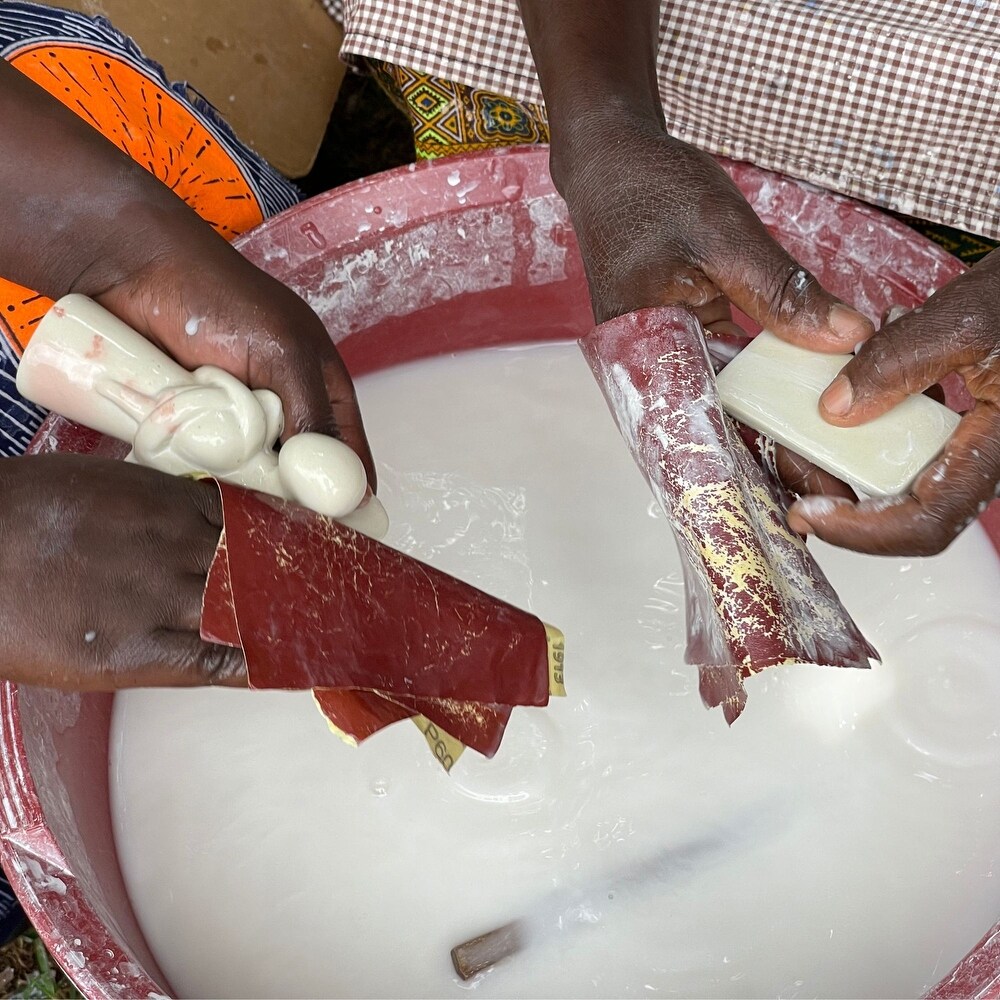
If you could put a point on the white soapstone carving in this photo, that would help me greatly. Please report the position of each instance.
(774, 387)
(86, 364)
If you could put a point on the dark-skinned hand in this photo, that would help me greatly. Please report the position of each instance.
(204, 304)
(660, 223)
(116, 550)
(84, 217)
(674, 229)
(956, 330)
(107, 564)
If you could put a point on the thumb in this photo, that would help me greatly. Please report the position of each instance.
(775, 290)
(902, 359)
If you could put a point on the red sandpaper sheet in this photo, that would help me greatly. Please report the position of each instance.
(379, 636)
(755, 596)
(363, 713)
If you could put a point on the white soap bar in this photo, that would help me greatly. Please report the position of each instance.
(774, 387)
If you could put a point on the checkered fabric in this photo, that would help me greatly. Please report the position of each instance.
(895, 102)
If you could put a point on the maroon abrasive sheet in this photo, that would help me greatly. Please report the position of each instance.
(755, 596)
(378, 635)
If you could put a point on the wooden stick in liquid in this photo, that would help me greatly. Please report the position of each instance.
(482, 952)
(660, 869)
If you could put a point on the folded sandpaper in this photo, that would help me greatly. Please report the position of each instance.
(755, 596)
(377, 635)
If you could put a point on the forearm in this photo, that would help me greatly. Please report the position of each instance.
(596, 60)
(78, 213)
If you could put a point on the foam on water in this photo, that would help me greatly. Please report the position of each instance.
(839, 840)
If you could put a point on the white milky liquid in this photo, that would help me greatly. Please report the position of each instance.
(838, 841)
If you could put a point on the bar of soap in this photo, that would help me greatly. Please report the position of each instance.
(774, 387)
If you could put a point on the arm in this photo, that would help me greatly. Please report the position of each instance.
(80, 215)
(110, 559)
(66, 192)
(595, 60)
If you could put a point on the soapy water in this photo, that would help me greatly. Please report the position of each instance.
(839, 840)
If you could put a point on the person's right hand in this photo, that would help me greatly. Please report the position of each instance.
(660, 223)
(104, 565)
(81, 216)
(190, 293)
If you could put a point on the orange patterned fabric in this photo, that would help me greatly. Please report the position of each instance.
(149, 123)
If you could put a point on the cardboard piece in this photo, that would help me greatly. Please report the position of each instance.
(272, 69)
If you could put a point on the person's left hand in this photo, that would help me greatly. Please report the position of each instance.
(82, 216)
(957, 330)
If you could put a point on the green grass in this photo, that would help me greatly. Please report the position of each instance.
(27, 970)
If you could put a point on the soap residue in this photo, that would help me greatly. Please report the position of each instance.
(839, 840)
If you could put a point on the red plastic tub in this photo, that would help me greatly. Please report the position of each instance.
(419, 261)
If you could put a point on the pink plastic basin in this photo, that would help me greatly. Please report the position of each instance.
(419, 261)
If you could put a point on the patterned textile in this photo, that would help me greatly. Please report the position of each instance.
(897, 104)
(103, 77)
(967, 247)
(449, 118)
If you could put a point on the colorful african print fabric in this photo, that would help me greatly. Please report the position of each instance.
(967, 247)
(104, 77)
(451, 118)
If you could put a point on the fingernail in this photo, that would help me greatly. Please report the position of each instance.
(818, 506)
(799, 524)
(802, 513)
(838, 397)
(849, 325)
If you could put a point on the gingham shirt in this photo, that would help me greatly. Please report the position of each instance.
(895, 102)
